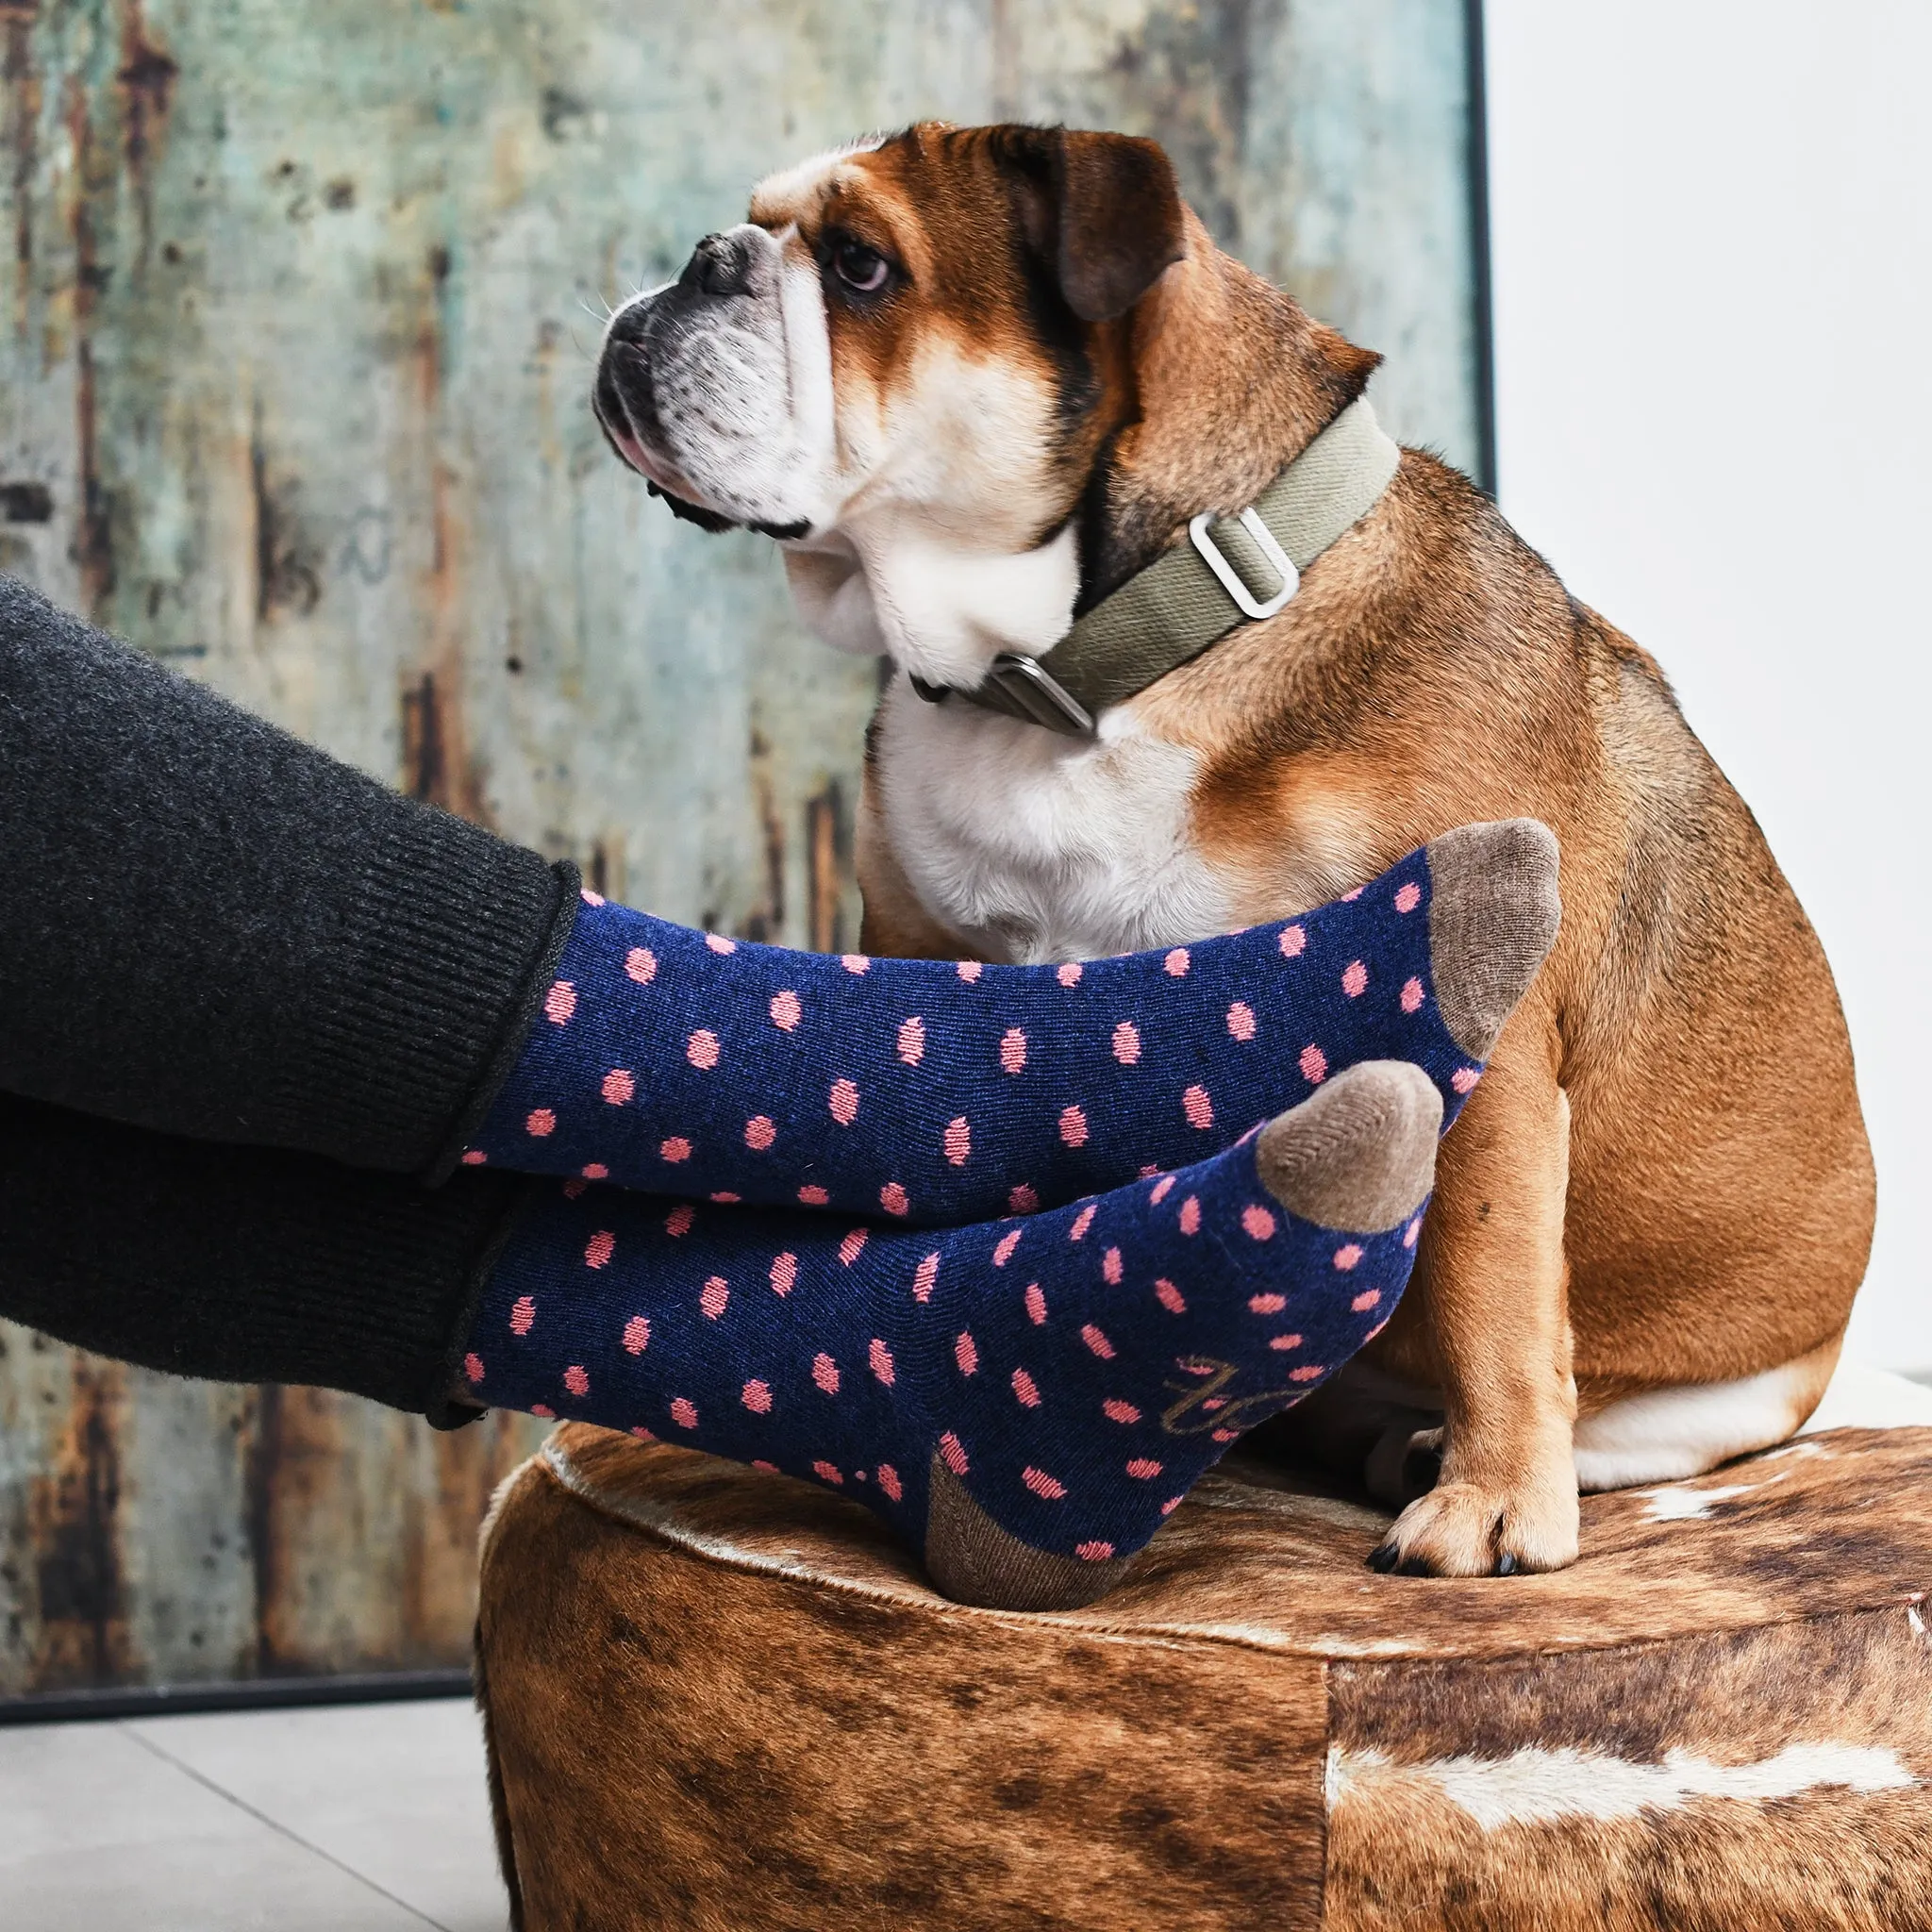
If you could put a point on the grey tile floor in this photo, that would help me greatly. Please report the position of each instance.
(357, 1818)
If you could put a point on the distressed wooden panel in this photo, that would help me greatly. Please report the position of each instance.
(298, 300)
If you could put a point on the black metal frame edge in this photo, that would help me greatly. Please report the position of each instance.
(255, 1693)
(1485, 320)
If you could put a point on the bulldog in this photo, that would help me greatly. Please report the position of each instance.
(1012, 417)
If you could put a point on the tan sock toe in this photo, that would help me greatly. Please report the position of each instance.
(1493, 912)
(1360, 1153)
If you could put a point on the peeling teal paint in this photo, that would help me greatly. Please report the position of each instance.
(297, 308)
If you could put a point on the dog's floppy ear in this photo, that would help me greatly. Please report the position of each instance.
(1103, 208)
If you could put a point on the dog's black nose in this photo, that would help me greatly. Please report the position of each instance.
(720, 265)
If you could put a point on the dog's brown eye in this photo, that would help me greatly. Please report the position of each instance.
(859, 267)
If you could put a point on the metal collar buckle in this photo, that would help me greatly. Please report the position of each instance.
(1230, 579)
(1032, 693)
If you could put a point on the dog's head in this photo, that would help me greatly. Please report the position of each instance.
(971, 378)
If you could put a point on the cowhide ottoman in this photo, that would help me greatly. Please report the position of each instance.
(723, 1702)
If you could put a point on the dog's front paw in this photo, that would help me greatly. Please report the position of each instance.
(1471, 1529)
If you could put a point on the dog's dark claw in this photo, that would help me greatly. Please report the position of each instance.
(1506, 1565)
(1382, 1558)
(1413, 1566)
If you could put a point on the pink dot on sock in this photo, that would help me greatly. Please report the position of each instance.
(1411, 995)
(1198, 1108)
(1116, 1410)
(1308, 1374)
(951, 1454)
(756, 1396)
(894, 1199)
(1162, 1189)
(1314, 1065)
(589, 897)
(1293, 939)
(1374, 1331)
(1267, 1304)
(684, 1412)
(880, 1357)
(618, 1085)
(1069, 974)
(1073, 1127)
(701, 1049)
(1258, 1222)
(1003, 1248)
(1349, 898)
(1354, 978)
(1036, 1305)
(959, 1141)
(473, 1368)
(924, 1278)
(1026, 1389)
(641, 964)
(595, 1170)
(786, 1011)
(855, 962)
(827, 1472)
(1409, 1233)
(888, 1481)
(825, 1371)
(674, 1150)
(966, 1353)
(1093, 1553)
(540, 1122)
(784, 1274)
(543, 1410)
(1191, 1216)
(1241, 1021)
(715, 1295)
(523, 1315)
(813, 1197)
(1464, 1078)
(852, 1247)
(473, 1156)
(759, 1132)
(1013, 1050)
(559, 1003)
(599, 1248)
(1110, 1266)
(1284, 1342)
(1172, 1503)
(969, 970)
(723, 1197)
(1169, 1297)
(680, 1217)
(642, 1434)
(1366, 1300)
(1144, 1468)
(574, 1187)
(719, 943)
(1226, 1435)
(1407, 897)
(1177, 963)
(1082, 1221)
(637, 1335)
(844, 1101)
(577, 1381)
(912, 1041)
(1126, 1044)
(1022, 1200)
(1097, 1343)
(757, 1461)
(1347, 1255)
(1042, 1484)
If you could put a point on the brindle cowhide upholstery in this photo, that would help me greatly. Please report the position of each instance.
(723, 1702)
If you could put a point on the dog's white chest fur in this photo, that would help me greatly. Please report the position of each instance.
(1032, 846)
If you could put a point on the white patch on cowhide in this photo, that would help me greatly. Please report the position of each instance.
(1535, 1786)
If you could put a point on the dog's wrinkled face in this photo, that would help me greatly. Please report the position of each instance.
(900, 365)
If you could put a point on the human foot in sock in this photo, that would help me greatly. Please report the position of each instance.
(1024, 1401)
(684, 1063)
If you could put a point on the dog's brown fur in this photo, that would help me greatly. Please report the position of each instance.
(1664, 1177)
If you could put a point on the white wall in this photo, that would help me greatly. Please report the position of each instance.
(1713, 285)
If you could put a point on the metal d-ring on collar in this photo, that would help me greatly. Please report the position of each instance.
(1193, 594)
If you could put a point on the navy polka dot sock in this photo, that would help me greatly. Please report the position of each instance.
(937, 1092)
(1024, 1401)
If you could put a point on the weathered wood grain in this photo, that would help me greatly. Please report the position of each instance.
(298, 300)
